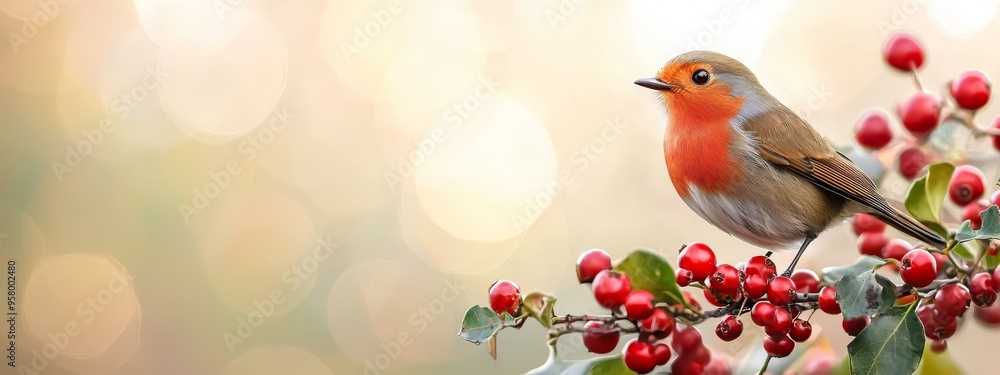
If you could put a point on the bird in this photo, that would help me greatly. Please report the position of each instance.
(752, 167)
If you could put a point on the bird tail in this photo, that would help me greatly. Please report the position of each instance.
(906, 224)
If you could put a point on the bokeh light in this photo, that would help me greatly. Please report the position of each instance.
(368, 168)
(80, 303)
(253, 65)
(277, 359)
(484, 179)
(269, 245)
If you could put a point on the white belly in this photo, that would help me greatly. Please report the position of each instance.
(766, 227)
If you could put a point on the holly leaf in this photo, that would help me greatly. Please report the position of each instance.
(492, 344)
(831, 275)
(865, 294)
(610, 365)
(540, 306)
(480, 324)
(650, 271)
(892, 344)
(990, 229)
(926, 194)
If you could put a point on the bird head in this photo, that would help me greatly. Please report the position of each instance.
(702, 86)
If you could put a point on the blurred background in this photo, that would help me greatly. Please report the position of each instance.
(324, 187)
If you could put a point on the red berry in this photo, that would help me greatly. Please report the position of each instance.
(726, 279)
(801, 330)
(967, 185)
(872, 129)
(982, 289)
(863, 223)
(590, 263)
(719, 365)
(903, 51)
(761, 265)
(639, 304)
(918, 268)
(729, 328)
(781, 291)
(778, 347)
(828, 300)
(691, 301)
(939, 346)
(806, 281)
(600, 338)
(952, 299)
(872, 243)
(971, 90)
(854, 326)
(658, 322)
(988, 316)
(937, 324)
(782, 323)
(699, 355)
(683, 276)
(505, 295)
(762, 313)
(686, 366)
(942, 261)
(638, 356)
(919, 113)
(662, 354)
(995, 199)
(896, 249)
(911, 161)
(971, 213)
(611, 288)
(697, 258)
(714, 298)
(996, 139)
(755, 286)
(996, 278)
(686, 340)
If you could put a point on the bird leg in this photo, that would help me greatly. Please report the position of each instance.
(805, 243)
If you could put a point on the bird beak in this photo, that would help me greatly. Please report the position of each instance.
(654, 83)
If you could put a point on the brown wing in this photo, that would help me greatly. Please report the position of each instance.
(813, 159)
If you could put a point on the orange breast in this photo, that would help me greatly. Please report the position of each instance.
(697, 146)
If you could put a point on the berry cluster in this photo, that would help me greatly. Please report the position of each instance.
(613, 290)
(923, 112)
(774, 302)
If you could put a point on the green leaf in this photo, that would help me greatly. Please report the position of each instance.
(650, 271)
(842, 368)
(926, 195)
(989, 230)
(963, 251)
(479, 324)
(938, 363)
(892, 344)
(610, 365)
(540, 306)
(831, 275)
(865, 294)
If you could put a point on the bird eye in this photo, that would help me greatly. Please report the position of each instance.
(700, 77)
